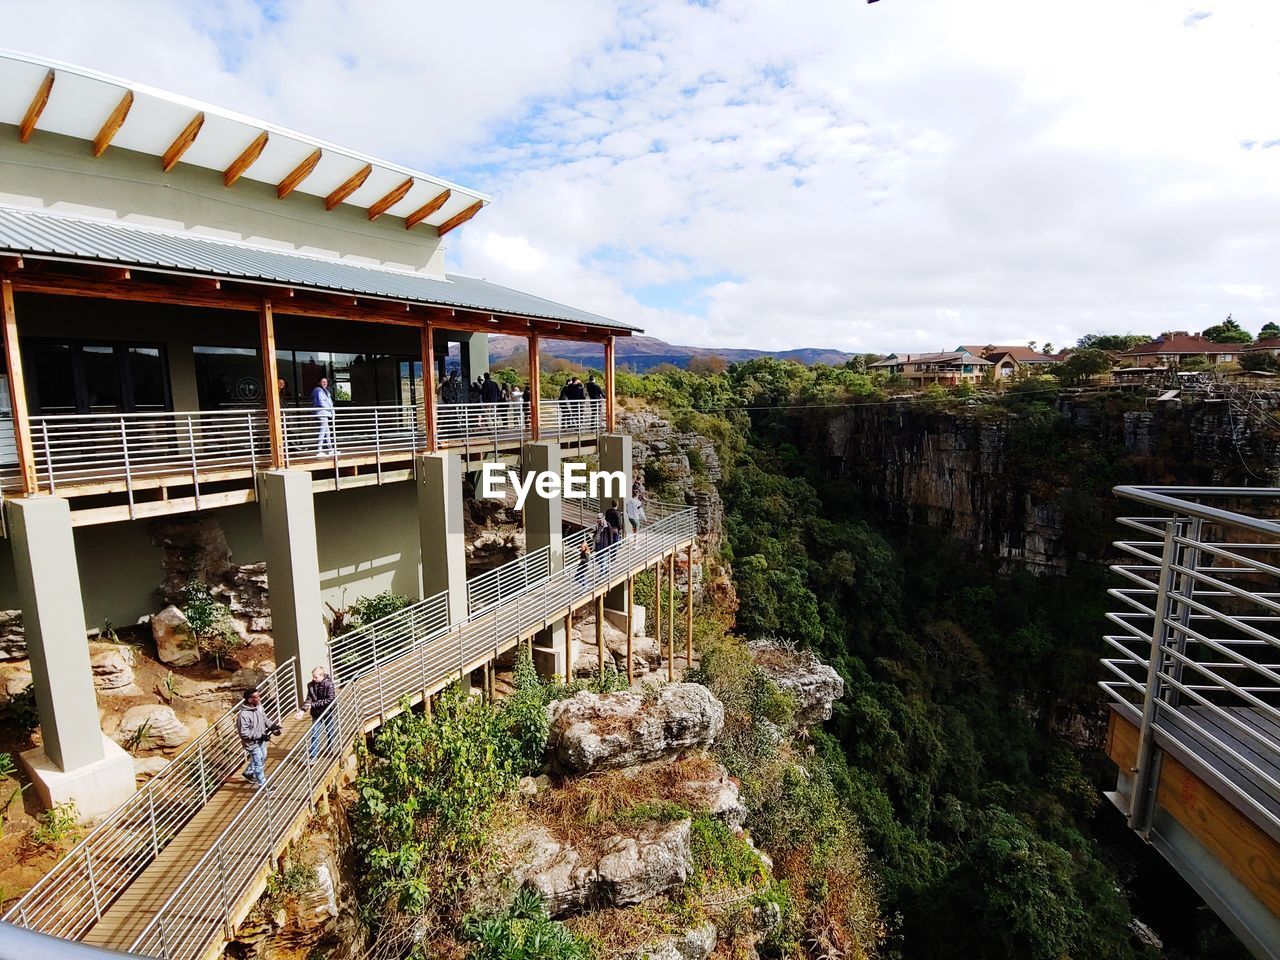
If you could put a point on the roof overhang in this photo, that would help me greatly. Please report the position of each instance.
(40, 95)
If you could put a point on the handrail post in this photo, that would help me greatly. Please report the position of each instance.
(151, 816)
(195, 469)
(93, 885)
(1144, 770)
(128, 471)
(204, 785)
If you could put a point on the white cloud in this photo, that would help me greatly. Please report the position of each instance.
(900, 175)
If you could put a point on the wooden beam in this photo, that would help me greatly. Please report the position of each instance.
(535, 388)
(429, 385)
(182, 142)
(298, 174)
(568, 647)
(600, 635)
(246, 159)
(392, 197)
(631, 618)
(458, 219)
(657, 618)
(688, 613)
(671, 605)
(17, 389)
(113, 124)
(608, 385)
(348, 186)
(271, 382)
(427, 209)
(11, 261)
(38, 103)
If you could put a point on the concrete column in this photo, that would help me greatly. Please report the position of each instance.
(475, 354)
(76, 762)
(444, 548)
(615, 455)
(543, 527)
(293, 569)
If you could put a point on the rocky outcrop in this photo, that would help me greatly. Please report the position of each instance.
(176, 643)
(622, 871)
(681, 461)
(112, 665)
(645, 655)
(195, 548)
(152, 727)
(814, 685)
(591, 731)
(717, 795)
(13, 640)
(696, 943)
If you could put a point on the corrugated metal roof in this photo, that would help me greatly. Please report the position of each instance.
(38, 232)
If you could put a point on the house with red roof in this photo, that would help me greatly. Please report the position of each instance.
(1174, 349)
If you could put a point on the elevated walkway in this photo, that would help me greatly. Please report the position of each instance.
(174, 870)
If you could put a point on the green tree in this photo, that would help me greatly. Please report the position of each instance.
(1269, 330)
(1228, 331)
(1083, 365)
(1112, 341)
(1261, 360)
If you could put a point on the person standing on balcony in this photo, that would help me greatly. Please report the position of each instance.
(320, 693)
(322, 401)
(491, 393)
(577, 393)
(255, 732)
(595, 392)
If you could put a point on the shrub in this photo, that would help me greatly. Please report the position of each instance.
(60, 822)
(723, 859)
(22, 712)
(366, 610)
(524, 931)
(210, 621)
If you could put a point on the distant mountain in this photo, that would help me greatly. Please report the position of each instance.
(645, 353)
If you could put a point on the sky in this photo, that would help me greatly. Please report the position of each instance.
(904, 175)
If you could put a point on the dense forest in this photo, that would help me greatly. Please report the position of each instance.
(966, 746)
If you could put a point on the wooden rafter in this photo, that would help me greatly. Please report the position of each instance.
(181, 143)
(28, 125)
(243, 162)
(427, 209)
(458, 219)
(113, 124)
(298, 174)
(392, 197)
(348, 186)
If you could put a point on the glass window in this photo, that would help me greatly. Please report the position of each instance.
(51, 377)
(228, 378)
(146, 378)
(309, 367)
(340, 380)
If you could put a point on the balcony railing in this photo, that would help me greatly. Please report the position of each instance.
(1196, 662)
(129, 452)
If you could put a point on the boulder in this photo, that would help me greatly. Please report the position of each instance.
(164, 731)
(15, 677)
(636, 869)
(591, 731)
(696, 943)
(645, 655)
(553, 869)
(112, 665)
(144, 768)
(814, 685)
(13, 640)
(719, 796)
(175, 641)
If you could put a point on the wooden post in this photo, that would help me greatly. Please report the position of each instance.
(271, 383)
(688, 613)
(671, 605)
(657, 615)
(631, 616)
(608, 385)
(600, 634)
(535, 387)
(429, 385)
(568, 647)
(17, 390)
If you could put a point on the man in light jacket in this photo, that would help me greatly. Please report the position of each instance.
(322, 401)
(255, 732)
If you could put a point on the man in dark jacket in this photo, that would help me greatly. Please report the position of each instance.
(320, 693)
(613, 517)
(490, 390)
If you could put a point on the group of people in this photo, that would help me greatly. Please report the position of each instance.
(257, 730)
(575, 390)
(609, 530)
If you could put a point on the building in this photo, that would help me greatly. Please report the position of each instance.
(921, 369)
(178, 281)
(1010, 361)
(1172, 349)
(1269, 345)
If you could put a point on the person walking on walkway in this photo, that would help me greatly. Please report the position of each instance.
(614, 518)
(584, 561)
(320, 693)
(602, 542)
(322, 401)
(255, 732)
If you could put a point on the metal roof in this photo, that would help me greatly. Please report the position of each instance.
(39, 233)
(62, 98)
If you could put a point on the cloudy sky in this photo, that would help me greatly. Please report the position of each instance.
(905, 175)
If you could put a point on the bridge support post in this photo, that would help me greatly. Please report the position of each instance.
(77, 761)
(293, 570)
(444, 548)
(615, 456)
(544, 527)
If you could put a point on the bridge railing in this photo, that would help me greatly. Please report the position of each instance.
(558, 419)
(480, 424)
(202, 906)
(1195, 659)
(73, 896)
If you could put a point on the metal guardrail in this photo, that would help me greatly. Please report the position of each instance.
(371, 434)
(72, 896)
(377, 666)
(481, 424)
(1196, 661)
(558, 419)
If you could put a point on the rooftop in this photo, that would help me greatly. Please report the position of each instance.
(40, 95)
(896, 359)
(1182, 342)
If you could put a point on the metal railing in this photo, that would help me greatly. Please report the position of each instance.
(1196, 662)
(122, 451)
(73, 896)
(558, 419)
(202, 906)
(375, 435)
(480, 424)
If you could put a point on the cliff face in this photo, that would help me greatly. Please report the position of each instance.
(1003, 482)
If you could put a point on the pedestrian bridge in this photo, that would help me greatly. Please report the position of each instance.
(1194, 688)
(174, 870)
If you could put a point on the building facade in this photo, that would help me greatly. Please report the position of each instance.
(922, 369)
